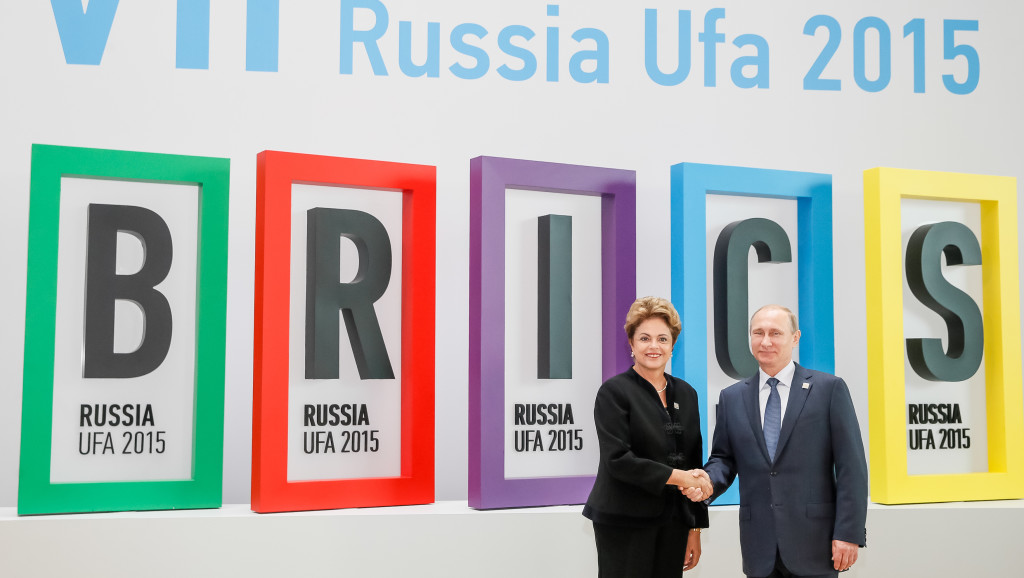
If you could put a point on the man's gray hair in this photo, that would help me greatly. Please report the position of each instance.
(793, 325)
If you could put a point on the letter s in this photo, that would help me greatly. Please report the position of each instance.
(961, 314)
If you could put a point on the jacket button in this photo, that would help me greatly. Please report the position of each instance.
(773, 474)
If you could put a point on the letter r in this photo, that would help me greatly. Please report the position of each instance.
(369, 38)
(325, 295)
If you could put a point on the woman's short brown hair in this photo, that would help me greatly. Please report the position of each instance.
(646, 307)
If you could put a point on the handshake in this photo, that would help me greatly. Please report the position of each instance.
(695, 485)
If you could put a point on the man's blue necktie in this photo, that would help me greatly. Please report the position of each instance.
(772, 418)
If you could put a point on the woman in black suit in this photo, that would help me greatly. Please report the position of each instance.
(648, 427)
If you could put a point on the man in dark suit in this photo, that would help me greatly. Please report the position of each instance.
(791, 434)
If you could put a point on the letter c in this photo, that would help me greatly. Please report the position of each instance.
(732, 344)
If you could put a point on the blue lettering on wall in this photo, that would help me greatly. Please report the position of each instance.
(83, 32)
(711, 38)
(520, 55)
(458, 39)
(368, 38)
(651, 49)
(192, 47)
(522, 52)
(262, 26)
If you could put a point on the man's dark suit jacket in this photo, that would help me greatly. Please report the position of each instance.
(816, 489)
(636, 459)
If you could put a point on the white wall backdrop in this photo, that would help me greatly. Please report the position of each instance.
(137, 99)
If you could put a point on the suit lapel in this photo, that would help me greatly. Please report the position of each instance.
(753, 406)
(797, 397)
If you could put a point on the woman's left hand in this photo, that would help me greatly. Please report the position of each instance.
(692, 555)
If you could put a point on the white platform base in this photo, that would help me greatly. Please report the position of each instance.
(449, 539)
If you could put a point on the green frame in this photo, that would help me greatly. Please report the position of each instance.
(36, 494)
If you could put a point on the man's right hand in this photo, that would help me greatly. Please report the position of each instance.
(700, 491)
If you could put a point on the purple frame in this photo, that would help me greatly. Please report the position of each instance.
(489, 179)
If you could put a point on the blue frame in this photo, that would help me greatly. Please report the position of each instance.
(691, 184)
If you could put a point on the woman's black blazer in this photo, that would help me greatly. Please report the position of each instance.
(636, 437)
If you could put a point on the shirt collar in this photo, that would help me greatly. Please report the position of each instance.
(785, 376)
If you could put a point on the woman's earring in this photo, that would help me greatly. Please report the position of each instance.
(631, 354)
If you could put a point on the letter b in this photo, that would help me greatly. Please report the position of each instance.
(103, 287)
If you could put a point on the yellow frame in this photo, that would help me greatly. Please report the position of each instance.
(890, 482)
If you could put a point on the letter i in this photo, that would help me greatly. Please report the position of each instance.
(552, 48)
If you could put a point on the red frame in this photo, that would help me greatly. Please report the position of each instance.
(271, 491)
